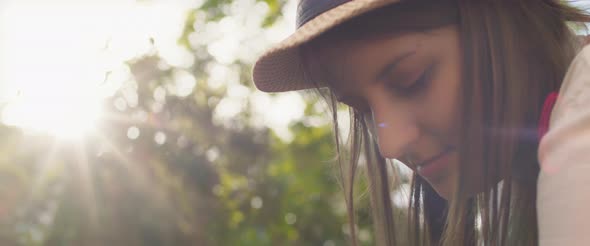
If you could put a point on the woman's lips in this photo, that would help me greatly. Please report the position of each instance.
(436, 164)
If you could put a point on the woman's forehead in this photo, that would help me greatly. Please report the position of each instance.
(337, 55)
(332, 61)
(339, 62)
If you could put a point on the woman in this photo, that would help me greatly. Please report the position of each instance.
(461, 91)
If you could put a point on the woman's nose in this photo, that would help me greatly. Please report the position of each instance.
(394, 126)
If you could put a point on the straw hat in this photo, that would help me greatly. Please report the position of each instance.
(279, 68)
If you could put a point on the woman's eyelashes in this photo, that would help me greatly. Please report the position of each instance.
(416, 86)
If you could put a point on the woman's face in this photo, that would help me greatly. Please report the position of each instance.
(408, 87)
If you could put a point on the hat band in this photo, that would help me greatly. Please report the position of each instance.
(309, 9)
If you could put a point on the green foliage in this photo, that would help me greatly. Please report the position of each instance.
(208, 183)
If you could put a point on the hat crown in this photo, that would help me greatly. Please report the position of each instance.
(309, 9)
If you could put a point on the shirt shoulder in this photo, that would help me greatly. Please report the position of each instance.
(574, 93)
(562, 186)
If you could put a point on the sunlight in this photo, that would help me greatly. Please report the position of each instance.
(61, 61)
(58, 115)
(52, 72)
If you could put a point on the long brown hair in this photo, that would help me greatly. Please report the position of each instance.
(515, 52)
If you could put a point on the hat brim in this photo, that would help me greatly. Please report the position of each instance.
(280, 68)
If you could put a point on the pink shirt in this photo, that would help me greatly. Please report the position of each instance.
(563, 200)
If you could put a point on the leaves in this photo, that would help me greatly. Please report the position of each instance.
(184, 178)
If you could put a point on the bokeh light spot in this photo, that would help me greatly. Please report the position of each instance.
(290, 218)
(256, 202)
(133, 132)
(160, 138)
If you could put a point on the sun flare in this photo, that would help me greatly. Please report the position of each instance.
(59, 62)
(63, 116)
(51, 75)
(55, 65)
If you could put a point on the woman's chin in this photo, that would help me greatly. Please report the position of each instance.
(446, 187)
(443, 188)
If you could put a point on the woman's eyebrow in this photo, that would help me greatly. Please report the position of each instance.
(349, 99)
(391, 66)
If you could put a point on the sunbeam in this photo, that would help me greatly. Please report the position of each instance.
(44, 167)
(85, 182)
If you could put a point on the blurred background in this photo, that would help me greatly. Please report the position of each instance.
(136, 123)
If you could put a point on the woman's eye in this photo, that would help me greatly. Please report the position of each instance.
(415, 87)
